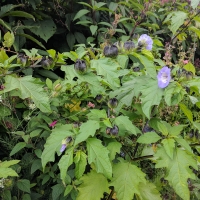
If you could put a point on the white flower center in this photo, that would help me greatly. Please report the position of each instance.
(164, 77)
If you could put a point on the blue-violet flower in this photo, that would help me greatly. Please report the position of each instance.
(146, 41)
(63, 147)
(164, 77)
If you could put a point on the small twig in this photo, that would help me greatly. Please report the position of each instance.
(142, 158)
(111, 194)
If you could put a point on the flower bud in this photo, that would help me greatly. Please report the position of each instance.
(46, 62)
(119, 45)
(112, 103)
(189, 75)
(22, 59)
(80, 66)
(114, 131)
(58, 87)
(99, 98)
(110, 51)
(129, 45)
(108, 130)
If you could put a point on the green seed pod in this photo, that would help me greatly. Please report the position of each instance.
(80, 66)
(129, 45)
(58, 87)
(112, 103)
(110, 51)
(99, 98)
(114, 131)
(46, 62)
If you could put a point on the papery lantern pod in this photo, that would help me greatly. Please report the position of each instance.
(80, 66)
(110, 51)
(112, 103)
(22, 59)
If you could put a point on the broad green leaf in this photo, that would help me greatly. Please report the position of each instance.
(93, 29)
(80, 38)
(190, 67)
(64, 163)
(26, 197)
(183, 143)
(3, 56)
(148, 138)
(9, 39)
(5, 172)
(148, 64)
(186, 111)
(81, 161)
(194, 29)
(36, 165)
(169, 146)
(6, 194)
(127, 124)
(29, 87)
(19, 14)
(93, 187)
(87, 129)
(151, 95)
(177, 20)
(95, 114)
(31, 38)
(54, 142)
(173, 94)
(162, 128)
(114, 147)
(57, 190)
(17, 148)
(9, 163)
(196, 125)
(6, 25)
(107, 68)
(46, 28)
(70, 40)
(123, 61)
(68, 190)
(98, 154)
(8, 7)
(4, 111)
(194, 3)
(24, 185)
(176, 130)
(126, 180)
(178, 170)
(80, 13)
(148, 191)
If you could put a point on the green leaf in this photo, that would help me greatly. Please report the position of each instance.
(3, 56)
(151, 95)
(64, 163)
(162, 128)
(95, 114)
(9, 163)
(4, 111)
(6, 194)
(68, 190)
(19, 14)
(70, 40)
(194, 29)
(169, 146)
(29, 87)
(174, 93)
(80, 13)
(98, 154)
(31, 38)
(36, 165)
(87, 129)
(107, 68)
(93, 187)
(194, 3)
(126, 180)
(126, 124)
(184, 144)
(178, 170)
(26, 197)
(186, 111)
(123, 61)
(17, 148)
(190, 67)
(113, 148)
(80, 38)
(9, 39)
(57, 190)
(148, 138)
(81, 161)
(54, 142)
(176, 130)
(46, 28)
(148, 191)
(5, 172)
(93, 29)
(177, 20)
(24, 185)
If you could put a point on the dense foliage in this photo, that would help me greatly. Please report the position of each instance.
(99, 100)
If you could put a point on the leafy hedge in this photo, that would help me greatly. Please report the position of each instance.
(114, 117)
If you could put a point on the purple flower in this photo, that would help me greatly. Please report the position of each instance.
(164, 77)
(53, 123)
(63, 147)
(146, 41)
